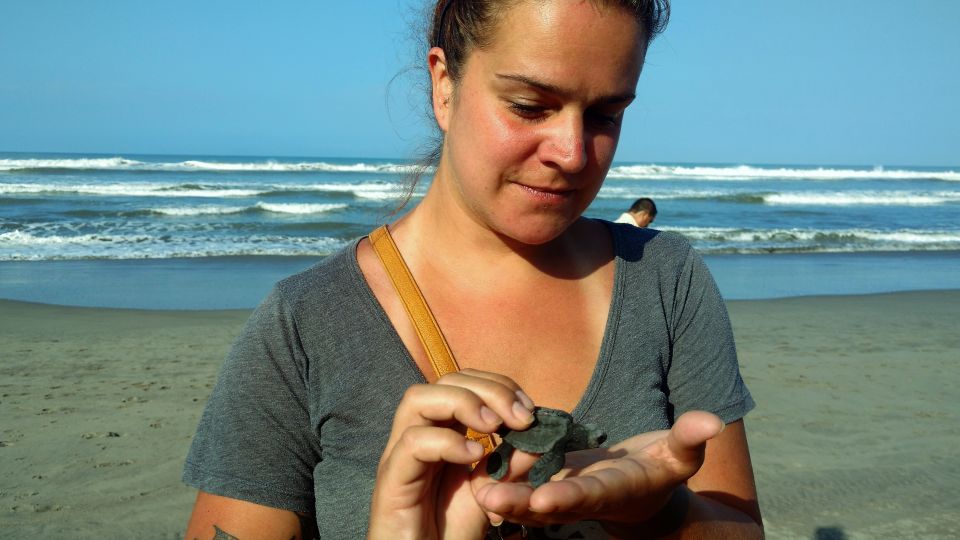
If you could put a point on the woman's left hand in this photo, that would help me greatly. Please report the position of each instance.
(627, 483)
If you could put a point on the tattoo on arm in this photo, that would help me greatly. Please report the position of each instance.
(308, 529)
(220, 534)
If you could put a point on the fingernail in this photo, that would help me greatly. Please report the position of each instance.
(474, 447)
(489, 416)
(525, 399)
(496, 522)
(521, 412)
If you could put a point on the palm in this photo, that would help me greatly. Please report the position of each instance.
(628, 481)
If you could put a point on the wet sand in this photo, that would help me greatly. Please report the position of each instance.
(856, 434)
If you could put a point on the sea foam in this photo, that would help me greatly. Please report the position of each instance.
(647, 171)
(124, 164)
(746, 172)
(872, 198)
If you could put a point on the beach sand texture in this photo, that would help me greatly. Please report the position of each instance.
(856, 434)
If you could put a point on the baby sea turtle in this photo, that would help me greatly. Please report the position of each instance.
(553, 433)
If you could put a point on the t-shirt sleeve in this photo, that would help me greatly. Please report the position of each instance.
(255, 441)
(704, 373)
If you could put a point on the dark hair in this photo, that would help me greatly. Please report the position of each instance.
(460, 26)
(644, 204)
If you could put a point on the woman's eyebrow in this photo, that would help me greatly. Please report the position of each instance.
(561, 92)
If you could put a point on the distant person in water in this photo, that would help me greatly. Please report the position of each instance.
(641, 213)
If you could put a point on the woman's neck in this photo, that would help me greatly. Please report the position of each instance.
(439, 235)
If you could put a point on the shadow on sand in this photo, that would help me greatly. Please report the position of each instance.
(829, 533)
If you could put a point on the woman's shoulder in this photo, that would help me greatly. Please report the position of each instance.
(336, 277)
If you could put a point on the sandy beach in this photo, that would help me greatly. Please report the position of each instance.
(856, 434)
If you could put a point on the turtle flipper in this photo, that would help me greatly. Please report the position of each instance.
(499, 460)
(548, 465)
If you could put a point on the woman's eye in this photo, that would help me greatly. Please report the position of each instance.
(607, 120)
(529, 112)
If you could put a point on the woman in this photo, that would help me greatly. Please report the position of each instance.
(622, 326)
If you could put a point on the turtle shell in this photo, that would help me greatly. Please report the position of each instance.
(550, 426)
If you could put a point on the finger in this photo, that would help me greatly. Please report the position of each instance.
(499, 392)
(610, 484)
(431, 404)
(590, 493)
(505, 499)
(518, 465)
(419, 448)
(495, 519)
(489, 375)
(513, 503)
(690, 433)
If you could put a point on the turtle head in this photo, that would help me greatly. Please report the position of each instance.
(584, 436)
(594, 436)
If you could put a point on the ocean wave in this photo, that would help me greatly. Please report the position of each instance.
(123, 240)
(274, 166)
(878, 198)
(298, 208)
(368, 190)
(276, 208)
(24, 246)
(629, 192)
(718, 239)
(132, 165)
(796, 198)
(79, 164)
(132, 190)
(389, 191)
(636, 171)
(747, 172)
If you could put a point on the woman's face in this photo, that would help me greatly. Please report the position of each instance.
(532, 127)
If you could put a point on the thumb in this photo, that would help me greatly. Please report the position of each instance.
(690, 433)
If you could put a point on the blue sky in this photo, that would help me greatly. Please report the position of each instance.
(859, 82)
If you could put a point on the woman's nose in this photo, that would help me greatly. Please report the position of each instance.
(564, 145)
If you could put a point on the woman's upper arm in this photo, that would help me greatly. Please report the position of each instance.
(727, 474)
(223, 518)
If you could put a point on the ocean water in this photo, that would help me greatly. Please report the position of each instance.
(92, 209)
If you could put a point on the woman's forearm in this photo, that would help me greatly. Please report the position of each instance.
(689, 515)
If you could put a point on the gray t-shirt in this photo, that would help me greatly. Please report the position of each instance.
(304, 402)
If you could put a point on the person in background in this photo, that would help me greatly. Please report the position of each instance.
(641, 213)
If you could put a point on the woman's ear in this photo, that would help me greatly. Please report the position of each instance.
(442, 86)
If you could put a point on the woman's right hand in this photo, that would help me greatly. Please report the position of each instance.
(423, 481)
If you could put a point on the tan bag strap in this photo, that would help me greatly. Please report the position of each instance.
(416, 306)
(427, 328)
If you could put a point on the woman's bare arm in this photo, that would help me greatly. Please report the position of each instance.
(222, 518)
(720, 500)
(727, 473)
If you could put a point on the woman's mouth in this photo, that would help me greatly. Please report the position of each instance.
(547, 195)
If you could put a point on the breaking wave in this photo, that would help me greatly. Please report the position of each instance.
(132, 165)
(747, 172)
